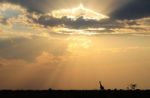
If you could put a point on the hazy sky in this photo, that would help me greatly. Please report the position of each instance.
(65, 44)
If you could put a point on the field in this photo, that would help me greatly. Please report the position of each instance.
(75, 94)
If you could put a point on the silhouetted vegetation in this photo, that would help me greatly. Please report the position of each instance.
(75, 94)
(132, 86)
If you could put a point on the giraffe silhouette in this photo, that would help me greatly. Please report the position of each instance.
(101, 86)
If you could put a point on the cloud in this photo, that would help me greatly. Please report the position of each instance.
(134, 10)
(10, 13)
(30, 75)
(39, 6)
(15, 23)
(49, 59)
(79, 23)
(45, 24)
(125, 9)
(138, 26)
(74, 13)
(30, 5)
(27, 49)
(97, 26)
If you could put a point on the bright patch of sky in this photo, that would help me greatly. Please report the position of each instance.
(9, 13)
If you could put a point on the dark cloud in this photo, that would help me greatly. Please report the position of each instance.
(31, 5)
(135, 9)
(79, 23)
(17, 48)
(41, 6)
(28, 49)
(109, 25)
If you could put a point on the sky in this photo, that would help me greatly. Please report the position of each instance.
(65, 44)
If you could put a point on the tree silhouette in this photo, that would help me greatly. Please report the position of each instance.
(132, 86)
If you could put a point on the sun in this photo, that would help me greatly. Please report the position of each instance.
(79, 11)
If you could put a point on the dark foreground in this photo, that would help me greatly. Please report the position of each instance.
(75, 94)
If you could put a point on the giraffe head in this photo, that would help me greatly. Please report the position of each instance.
(99, 82)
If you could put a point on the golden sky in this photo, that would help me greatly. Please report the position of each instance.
(73, 45)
